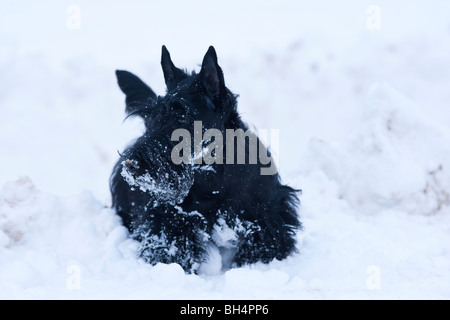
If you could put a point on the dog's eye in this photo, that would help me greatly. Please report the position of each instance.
(178, 111)
(176, 106)
(182, 119)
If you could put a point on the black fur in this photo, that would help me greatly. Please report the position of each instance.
(176, 210)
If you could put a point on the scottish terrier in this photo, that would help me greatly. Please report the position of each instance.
(176, 209)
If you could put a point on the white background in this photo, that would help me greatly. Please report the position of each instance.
(363, 114)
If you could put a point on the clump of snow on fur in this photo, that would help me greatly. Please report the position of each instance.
(162, 189)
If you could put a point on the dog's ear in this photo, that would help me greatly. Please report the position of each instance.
(172, 75)
(211, 75)
(136, 91)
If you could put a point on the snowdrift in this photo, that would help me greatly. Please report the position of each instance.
(375, 227)
(363, 122)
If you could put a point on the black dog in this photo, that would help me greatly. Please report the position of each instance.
(176, 210)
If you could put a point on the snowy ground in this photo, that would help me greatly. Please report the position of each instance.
(364, 122)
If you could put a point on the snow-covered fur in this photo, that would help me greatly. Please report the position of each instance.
(177, 211)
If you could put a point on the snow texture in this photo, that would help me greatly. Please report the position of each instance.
(363, 118)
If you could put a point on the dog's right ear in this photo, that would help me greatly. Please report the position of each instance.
(172, 75)
(136, 91)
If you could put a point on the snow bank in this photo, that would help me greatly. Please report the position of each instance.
(74, 248)
(395, 158)
(363, 120)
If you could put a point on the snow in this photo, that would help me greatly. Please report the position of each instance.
(363, 122)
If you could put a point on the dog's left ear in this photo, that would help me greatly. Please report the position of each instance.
(172, 75)
(212, 76)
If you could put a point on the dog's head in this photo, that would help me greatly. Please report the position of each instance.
(191, 97)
